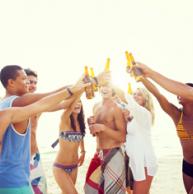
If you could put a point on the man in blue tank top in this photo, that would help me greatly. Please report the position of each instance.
(15, 152)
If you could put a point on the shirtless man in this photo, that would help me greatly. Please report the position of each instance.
(37, 176)
(182, 117)
(108, 125)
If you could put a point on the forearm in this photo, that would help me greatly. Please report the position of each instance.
(172, 86)
(134, 108)
(33, 97)
(64, 104)
(42, 105)
(76, 98)
(51, 101)
(71, 105)
(151, 87)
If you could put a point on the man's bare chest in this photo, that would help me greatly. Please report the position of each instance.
(104, 115)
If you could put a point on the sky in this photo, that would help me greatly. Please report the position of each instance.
(57, 38)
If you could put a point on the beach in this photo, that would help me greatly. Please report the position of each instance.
(168, 178)
(57, 39)
(166, 144)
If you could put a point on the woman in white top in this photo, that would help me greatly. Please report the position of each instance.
(142, 160)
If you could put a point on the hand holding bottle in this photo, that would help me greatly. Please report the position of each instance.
(91, 120)
(79, 87)
(89, 89)
(132, 68)
(94, 80)
(146, 71)
(103, 78)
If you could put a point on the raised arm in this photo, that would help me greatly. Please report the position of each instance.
(67, 112)
(64, 104)
(33, 97)
(43, 104)
(140, 113)
(172, 86)
(168, 107)
(18, 114)
(30, 98)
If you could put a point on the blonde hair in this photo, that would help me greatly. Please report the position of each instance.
(118, 92)
(148, 102)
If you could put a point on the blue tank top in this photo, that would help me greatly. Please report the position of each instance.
(15, 154)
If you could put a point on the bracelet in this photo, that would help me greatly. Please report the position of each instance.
(83, 151)
(69, 91)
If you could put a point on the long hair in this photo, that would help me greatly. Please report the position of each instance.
(119, 93)
(148, 102)
(81, 121)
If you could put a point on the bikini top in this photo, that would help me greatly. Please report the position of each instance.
(75, 136)
(182, 133)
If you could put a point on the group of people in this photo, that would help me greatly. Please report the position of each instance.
(124, 161)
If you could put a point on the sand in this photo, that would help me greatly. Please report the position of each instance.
(168, 179)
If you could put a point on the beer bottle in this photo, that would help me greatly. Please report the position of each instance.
(129, 89)
(107, 65)
(136, 72)
(95, 87)
(129, 62)
(89, 89)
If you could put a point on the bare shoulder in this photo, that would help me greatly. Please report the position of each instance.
(23, 100)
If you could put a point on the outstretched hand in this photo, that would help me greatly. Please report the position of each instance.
(79, 86)
(138, 71)
(146, 71)
(104, 78)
